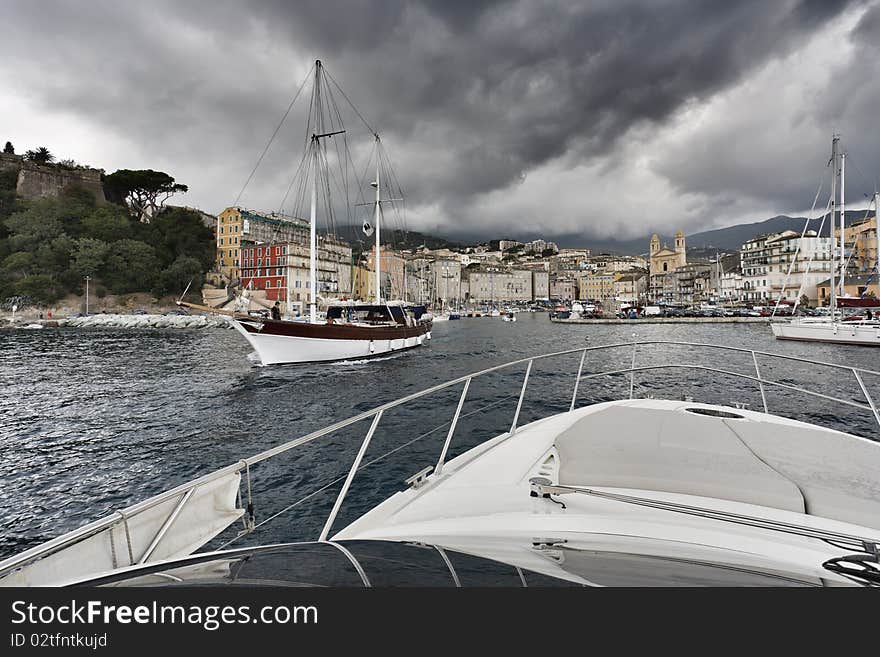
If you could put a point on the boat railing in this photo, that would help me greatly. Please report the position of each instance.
(177, 498)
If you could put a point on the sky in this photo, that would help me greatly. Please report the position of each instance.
(570, 120)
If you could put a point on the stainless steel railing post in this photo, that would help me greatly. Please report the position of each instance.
(632, 371)
(351, 473)
(442, 458)
(760, 382)
(521, 395)
(577, 381)
(867, 396)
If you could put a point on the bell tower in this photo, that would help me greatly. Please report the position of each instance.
(679, 248)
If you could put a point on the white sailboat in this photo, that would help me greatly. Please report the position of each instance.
(835, 328)
(350, 330)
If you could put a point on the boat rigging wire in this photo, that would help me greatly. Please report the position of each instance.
(272, 138)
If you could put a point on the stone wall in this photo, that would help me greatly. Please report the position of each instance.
(10, 162)
(41, 181)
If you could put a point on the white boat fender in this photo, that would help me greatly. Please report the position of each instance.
(372, 347)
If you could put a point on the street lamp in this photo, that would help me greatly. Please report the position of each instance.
(88, 278)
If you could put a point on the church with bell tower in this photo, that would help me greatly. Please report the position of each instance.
(664, 260)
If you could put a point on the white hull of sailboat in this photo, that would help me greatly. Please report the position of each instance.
(857, 333)
(280, 349)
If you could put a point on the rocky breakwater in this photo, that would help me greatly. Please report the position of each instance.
(143, 321)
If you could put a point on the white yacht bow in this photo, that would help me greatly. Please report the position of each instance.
(706, 493)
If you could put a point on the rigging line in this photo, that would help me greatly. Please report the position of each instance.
(851, 163)
(350, 104)
(813, 256)
(797, 249)
(295, 177)
(325, 184)
(271, 139)
(345, 160)
(361, 467)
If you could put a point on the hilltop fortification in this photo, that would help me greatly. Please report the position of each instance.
(51, 180)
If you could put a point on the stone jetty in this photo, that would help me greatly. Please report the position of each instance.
(110, 320)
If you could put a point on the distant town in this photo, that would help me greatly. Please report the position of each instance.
(267, 254)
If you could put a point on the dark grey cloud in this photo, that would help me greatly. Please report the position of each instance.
(473, 99)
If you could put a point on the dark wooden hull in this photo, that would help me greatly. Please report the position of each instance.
(334, 331)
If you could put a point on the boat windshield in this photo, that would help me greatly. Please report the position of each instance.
(366, 314)
(388, 563)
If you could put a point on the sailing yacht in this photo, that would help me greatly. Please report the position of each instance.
(835, 328)
(350, 330)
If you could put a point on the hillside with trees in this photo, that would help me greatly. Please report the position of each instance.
(49, 245)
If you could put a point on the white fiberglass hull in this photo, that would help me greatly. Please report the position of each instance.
(857, 333)
(278, 349)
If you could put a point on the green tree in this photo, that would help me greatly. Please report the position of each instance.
(41, 288)
(36, 224)
(108, 223)
(178, 231)
(175, 278)
(8, 149)
(41, 155)
(131, 266)
(18, 265)
(143, 191)
(89, 256)
(53, 257)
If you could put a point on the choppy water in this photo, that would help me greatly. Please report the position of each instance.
(94, 420)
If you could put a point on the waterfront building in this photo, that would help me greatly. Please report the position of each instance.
(727, 285)
(499, 284)
(237, 227)
(540, 285)
(860, 238)
(692, 284)
(363, 283)
(630, 287)
(393, 271)
(563, 289)
(598, 286)
(280, 271)
(446, 284)
(767, 259)
(856, 285)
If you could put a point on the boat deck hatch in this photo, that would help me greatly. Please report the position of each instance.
(714, 412)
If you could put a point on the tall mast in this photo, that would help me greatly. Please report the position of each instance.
(313, 237)
(842, 223)
(378, 210)
(313, 241)
(832, 287)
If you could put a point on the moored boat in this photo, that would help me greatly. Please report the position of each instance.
(836, 327)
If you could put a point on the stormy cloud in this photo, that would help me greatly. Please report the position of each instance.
(594, 119)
